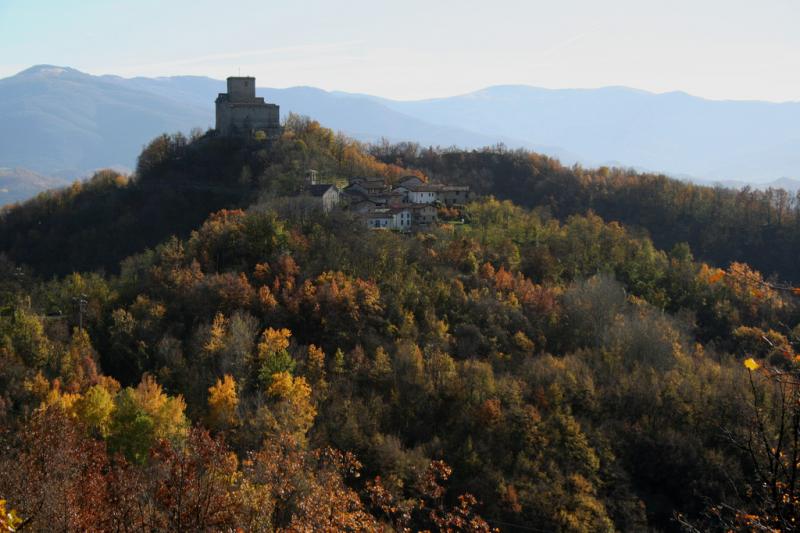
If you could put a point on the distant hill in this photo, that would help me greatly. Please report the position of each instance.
(17, 184)
(673, 132)
(60, 122)
(63, 122)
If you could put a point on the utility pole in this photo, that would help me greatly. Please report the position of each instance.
(80, 301)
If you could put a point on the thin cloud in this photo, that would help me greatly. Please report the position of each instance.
(567, 43)
(245, 54)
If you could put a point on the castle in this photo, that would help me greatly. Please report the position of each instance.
(241, 113)
(410, 205)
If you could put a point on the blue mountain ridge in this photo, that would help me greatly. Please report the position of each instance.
(63, 123)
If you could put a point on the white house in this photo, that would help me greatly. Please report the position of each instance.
(395, 218)
(401, 218)
(423, 194)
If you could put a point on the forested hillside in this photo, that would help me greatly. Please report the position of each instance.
(178, 183)
(761, 228)
(179, 351)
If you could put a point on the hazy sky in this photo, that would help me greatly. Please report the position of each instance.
(742, 49)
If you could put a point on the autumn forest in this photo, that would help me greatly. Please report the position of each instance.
(578, 350)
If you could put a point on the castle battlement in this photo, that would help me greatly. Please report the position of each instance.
(241, 113)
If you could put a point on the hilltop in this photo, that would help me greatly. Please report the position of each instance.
(65, 123)
(178, 182)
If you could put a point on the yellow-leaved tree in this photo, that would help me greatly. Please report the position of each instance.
(216, 335)
(9, 519)
(222, 402)
(294, 411)
(167, 412)
(315, 363)
(94, 409)
(273, 355)
(144, 415)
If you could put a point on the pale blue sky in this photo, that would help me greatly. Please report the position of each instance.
(741, 49)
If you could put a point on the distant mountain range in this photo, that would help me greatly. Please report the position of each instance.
(63, 123)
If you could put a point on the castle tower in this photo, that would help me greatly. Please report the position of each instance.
(241, 89)
(241, 113)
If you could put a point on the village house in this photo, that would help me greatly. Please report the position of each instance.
(379, 218)
(324, 194)
(423, 215)
(391, 198)
(360, 206)
(423, 194)
(411, 204)
(399, 218)
(417, 192)
(368, 186)
(451, 195)
(314, 196)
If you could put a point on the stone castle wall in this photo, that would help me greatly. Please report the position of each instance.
(243, 119)
(240, 112)
(241, 89)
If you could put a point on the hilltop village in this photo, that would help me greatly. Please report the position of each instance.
(410, 205)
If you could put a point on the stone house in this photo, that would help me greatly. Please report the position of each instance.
(423, 194)
(451, 195)
(379, 219)
(411, 204)
(326, 194)
(398, 218)
(362, 206)
(370, 186)
(423, 215)
(402, 218)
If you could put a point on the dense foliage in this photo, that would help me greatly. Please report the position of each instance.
(95, 224)
(761, 228)
(269, 370)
